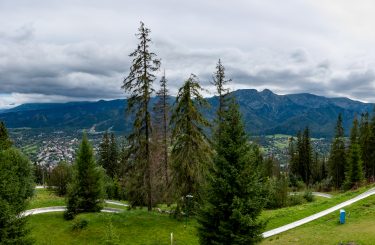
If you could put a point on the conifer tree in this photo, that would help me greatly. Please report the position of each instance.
(113, 167)
(5, 142)
(219, 81)
(235, 195)
(17, 186)
(271, 167)
(354, 171)
(138, 84)
(371, 149)
(293, 158)
(85, 193)
(191, 152)
(300, 154)
(60, 177)
(108, 155)
(364, 142)
(306, 156)
(161, 110)
(337, 157)
(104, 151)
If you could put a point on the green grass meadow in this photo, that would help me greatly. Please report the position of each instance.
(138, 226)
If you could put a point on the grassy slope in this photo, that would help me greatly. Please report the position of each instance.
(141, 227)
(283, 216)
(132, 227)
(359, 228)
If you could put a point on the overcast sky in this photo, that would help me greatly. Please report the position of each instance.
(56, 51)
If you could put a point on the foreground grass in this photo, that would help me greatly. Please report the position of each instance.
(131, 227)
(142, 227)
(283, 216)
(359, 228)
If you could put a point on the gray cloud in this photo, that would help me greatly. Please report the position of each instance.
(69, 50)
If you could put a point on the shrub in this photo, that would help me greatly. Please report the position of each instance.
(114, 188)
(79, 224)
(60, 176)
(278, 192)
(325, 185)
(308, 196)
(294, 200)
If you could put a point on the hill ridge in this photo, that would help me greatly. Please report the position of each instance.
(264, 112)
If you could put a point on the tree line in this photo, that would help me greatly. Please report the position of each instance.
(350, 162)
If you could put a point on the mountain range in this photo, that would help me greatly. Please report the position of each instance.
(264, 113)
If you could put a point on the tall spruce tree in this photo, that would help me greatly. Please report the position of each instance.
(364, 142)
(138, 84)
(371, 149)
(86, 192)
(17, 186)
(104, 151)
(109, 155)
(293, 158)
(306, 157)
(191, 151)
(113, 168)
(235, 195)
(337, 157)
(354, 171)
(161, 110)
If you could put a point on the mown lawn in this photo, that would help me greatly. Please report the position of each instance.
(359, 228)
(141, 227)
(283, 216)
(131, 227)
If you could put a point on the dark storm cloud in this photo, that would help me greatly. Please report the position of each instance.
(79, 70)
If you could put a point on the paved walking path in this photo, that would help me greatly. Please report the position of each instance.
(62, 209)
(320, 194)
(318, 215)
(116, 203)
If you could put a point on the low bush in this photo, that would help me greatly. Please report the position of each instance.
(294, 200)
(308, 196)
(79, 224)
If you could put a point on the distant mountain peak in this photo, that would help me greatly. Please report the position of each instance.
(267, 91)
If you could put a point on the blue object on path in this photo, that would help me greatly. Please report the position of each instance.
(342, 216)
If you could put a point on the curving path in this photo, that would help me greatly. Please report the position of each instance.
(116, 203)
(318, 215)
(106, 201)
(320, 194)
(62, 209)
